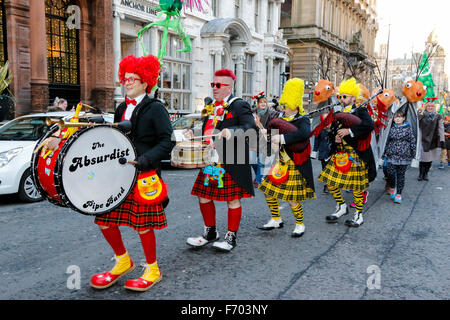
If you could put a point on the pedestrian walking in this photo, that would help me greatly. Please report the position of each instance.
(151, 134)
(399, 151)
(291, 178)
(433, 138)
(234, 180)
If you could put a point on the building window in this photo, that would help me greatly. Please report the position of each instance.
(247, 89)
(237, 5)
(256, 22)
(175, 78)
(3, 37)
(62, 44)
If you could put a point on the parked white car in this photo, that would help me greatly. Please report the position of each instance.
(192, 121)
(18, 139)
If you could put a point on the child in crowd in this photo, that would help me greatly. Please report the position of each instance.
(399, 152)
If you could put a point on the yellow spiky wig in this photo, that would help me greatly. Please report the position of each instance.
(292, 96)
(350, 87)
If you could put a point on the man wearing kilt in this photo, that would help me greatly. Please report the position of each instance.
(226, 115)
(352, 165)
(298, 184)
(151, 135)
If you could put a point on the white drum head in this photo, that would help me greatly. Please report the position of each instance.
(93, 180)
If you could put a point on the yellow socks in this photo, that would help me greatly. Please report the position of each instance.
(152, 273)
(274, 209)
(123, 263)
(298, 213)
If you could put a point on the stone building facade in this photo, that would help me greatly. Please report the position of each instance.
(400, 70)
(344, 29)
(72, 48)
(59, 48)
(241, 35)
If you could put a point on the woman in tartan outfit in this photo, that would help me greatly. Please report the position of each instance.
(151, 134)
(227, 113)
(299, 185)
(352, 165)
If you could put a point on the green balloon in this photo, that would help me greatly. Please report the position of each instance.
(171, 5)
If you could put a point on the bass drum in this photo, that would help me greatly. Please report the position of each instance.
(84, 173)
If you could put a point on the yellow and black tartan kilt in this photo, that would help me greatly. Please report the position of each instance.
(294, 188)
(356, 179)
(135, 214)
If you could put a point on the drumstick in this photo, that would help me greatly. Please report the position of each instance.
(201, 137)
(124, 161)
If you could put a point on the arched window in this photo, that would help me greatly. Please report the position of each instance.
(62, 51)
(3, 47)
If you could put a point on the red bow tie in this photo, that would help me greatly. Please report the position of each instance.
(219, 103)
(128, 101)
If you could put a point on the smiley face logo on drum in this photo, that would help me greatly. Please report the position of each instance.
(150, 188)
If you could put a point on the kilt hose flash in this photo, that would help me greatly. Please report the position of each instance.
(230, 191)
(294, 188)
(135, 214)
(356, 179)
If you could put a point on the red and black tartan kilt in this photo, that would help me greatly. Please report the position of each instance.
(230, 191)
(138, 216)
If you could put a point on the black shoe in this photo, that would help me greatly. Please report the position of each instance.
(228, 244)
(325, 189)
(210, 234)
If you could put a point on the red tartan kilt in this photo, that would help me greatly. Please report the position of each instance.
(138, 216)
(230, 191)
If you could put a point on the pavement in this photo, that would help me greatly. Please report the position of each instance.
(399, 253)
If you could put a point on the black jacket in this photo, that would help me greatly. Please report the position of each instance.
(301, 135)
(151, 131)
(242, 118)
(322, 145)
(360, 132)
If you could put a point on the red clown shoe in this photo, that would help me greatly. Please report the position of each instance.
(123, 266)
(151, 276)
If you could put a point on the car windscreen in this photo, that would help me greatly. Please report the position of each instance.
(27, 129)
(187, 123)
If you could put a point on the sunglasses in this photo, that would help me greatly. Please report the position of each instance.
(130, 80)
(342, 96)
(218, 85)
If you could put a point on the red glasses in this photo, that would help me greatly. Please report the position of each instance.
(130, 80)
(218, 85)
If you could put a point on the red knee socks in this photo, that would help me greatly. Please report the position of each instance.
(149, 245)
(208, 211)
(234, 219)
(114, 238)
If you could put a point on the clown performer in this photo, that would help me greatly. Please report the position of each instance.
(291, 178)
(227, 115)
(352, 165)
(151, 134)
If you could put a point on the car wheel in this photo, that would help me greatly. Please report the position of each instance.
(27, 189)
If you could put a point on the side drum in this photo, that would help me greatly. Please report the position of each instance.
(191, 155)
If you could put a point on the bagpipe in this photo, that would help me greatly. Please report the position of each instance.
(347, 120)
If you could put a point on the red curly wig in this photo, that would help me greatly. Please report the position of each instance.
(147, 68)
(225, 73)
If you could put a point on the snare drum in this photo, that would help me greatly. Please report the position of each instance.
(84, 173)
(191, 154)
